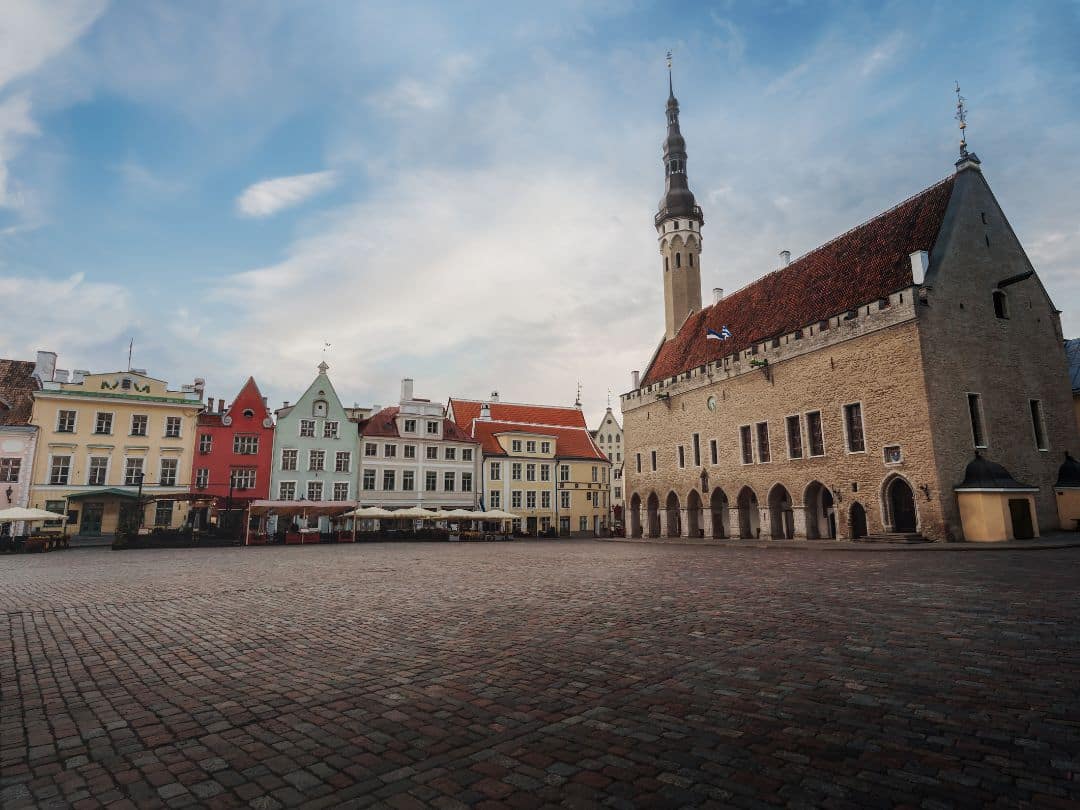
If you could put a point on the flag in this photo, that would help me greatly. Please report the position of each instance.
(723, 334)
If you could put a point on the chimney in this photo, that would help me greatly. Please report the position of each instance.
(494, 396)
(45, 366)
(635, 377)
(60, 375)
(406, 389)
(78, 375)
(485, 411)
(785, 258)
(717, 294)
(209, 404)
(221, 405)
(265, 403)
(920, 261)
(200, 386)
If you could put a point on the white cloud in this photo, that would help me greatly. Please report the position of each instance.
(33, 31)
(267, 197)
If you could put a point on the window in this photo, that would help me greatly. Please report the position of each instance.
(288, 459)
(545, 499)
(545, 472)
(564, 472)
(545, 524)
(496, 499)
(466, 482)
(433, 428)
(287, 491)
(697, 450)
(450, 453)
(314, 490)
(1038, 424)
(794, 437)
(466, 454)
(316, 460)
(431, 481)
(449, 481)
(172, 427)
(369, 480)
(746, 445)
(410, 426)
(370, 449)
(408, 480)
(243, 478)
(515, 446)
(389, 451)
(167, 472)
(681, 452)
(206, 443)
(515, 499)
(638, 462)
(307, 428)
(653, 454)
(892, 454)
(342, 461)
(9, 470)
(545, 447)
(389, 480)
(432, 453)
(330, 429)
(496, 471)
(883, 303)
(65, 421)
(245, 445)
(713, 452)
(515, 471)
(341, 490)
(763, 451)
(564, 500)
(409, 451)
(817, 438)
(163, 513)
(133, 471)
(58, 507)
(139, 424)
(595, 473)
(975, 412)
(853, 426)
(103, 423)
(618, 492)
(202, 478)
(530, 472)
(319, 406)
(530, 499)
(1001, 305)
(530, 447)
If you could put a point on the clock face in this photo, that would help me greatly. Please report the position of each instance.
(711, 403)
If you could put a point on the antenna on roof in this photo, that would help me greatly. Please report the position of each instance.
(961, 116)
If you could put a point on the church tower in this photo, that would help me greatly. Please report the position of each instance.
(678, 227)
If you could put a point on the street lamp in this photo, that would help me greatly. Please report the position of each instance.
(142, 508)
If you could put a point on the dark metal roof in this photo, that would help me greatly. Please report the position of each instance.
(982, 473)
(678, 199)
(1068, 473)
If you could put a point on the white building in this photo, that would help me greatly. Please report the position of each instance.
(609, 438)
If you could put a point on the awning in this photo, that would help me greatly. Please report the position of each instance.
(332, 508)
(109, 492)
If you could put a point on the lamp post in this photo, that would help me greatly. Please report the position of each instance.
(142, 508)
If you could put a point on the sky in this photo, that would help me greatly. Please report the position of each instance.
(463, 193)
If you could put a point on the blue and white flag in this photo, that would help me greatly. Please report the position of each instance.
(723, 334)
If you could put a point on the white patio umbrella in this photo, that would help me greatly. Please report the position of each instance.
(414, 513)
(32, 515)
(370, 512)
(464, 514)
(497, 514)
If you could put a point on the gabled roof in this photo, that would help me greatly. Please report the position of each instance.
(570, 442)
(249, 396)
(867, 263)
(464, 411)
(383, 424)
(17, 386)
(1072, 353)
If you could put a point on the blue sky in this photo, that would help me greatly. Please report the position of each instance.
(464, 193)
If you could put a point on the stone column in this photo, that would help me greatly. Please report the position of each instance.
(733, 522)
(662, 514)
(765, 522)
(684, 524)
(706, 522)
(799, 518)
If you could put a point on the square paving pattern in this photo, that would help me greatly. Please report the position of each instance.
(539, 674)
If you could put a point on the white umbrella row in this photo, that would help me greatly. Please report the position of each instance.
(22, 513)
(419, 513)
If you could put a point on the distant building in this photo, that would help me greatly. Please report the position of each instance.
(412, 455)
(106, 439)
(234, 449)
(609, 438)
(1072, 353)
(540, 462)
(18, 438)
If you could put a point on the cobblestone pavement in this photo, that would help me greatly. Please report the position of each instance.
(523, 675)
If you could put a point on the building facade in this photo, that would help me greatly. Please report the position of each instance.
(609, 438)
(18, 438)
(109, 444)
(849, 392)
(412, 455)
(234, 449)
(539, 462)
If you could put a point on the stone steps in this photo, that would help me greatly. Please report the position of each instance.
(893, 537)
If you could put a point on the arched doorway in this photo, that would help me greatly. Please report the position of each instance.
(671, 514)
(635, 515)
(857, 519)
(820, 512)
(718, 505)
(653, 507)
(693, 515)
(900, 502)
(781, 516)
(749, 519)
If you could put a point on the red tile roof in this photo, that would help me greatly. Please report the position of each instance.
(466, 410)
(570, 442)
(866, 263)
(17, 386)
(384, 424)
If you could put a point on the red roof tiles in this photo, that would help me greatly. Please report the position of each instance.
(384, 424)
(866, 263)
(17, 386)
(466, 410)
(570, 442)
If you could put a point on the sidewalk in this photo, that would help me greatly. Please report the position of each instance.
(1049, 541)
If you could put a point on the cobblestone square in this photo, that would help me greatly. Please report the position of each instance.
(539, 674)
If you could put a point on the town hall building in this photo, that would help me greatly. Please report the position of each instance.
(906, 380)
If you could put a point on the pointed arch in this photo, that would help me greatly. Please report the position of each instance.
(653, 514)
(635, 515)
(721, 514)
(749, 517)
(856, 521)
(899, 507)
(820, 512)
(781, 513)
(672, 515)
(694, 515)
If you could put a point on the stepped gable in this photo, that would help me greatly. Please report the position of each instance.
(570, 442)
(17, 386)
(466, 410)
(866, 263)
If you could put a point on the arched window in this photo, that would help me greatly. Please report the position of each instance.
(678, 260)
(1001, 305)
(691, 259)
(666, 264)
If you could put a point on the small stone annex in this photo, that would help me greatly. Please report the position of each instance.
(845, 394)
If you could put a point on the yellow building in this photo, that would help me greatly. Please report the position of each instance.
(539, 462)
(107, 440)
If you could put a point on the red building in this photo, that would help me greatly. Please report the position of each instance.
(234, 446)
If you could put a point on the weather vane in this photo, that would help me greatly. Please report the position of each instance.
(609, 398)
(961, 116)
(669, 60)
(577, 401)
(325, 346)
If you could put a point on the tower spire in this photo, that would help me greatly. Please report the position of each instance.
(670, 85)
(961, 117)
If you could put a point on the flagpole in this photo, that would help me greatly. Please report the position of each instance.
(131, 346)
